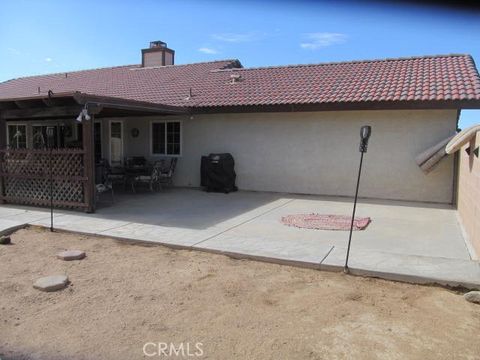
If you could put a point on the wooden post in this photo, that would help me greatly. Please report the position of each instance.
(89, 164)
(3, 145)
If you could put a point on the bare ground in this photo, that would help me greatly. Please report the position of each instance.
(123, 296)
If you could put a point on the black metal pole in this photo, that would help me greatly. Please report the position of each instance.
(345, 269)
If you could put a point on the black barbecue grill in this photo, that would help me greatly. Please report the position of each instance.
(218, 173)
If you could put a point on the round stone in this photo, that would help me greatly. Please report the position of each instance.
(69, 255)
(51, 283)
(5, 240)
(473, 296)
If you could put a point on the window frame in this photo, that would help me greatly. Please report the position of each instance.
(8, 124)
(122, 124)
(57, 131)
(180, 154)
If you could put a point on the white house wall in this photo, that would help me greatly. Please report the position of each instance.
(315, 152)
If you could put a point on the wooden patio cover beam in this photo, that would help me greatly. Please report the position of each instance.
(42, 112)
(70, 104)
(126, 104)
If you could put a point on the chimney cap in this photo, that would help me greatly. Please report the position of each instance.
(157, 44)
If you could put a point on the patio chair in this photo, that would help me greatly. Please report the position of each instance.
(102, 182)
(116, 175)
(152, 179)
(166, 174)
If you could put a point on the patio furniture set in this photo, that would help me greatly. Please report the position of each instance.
(136, 172)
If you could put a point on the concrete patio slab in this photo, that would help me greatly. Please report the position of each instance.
(408, 268)
(185, 226)
(406, 241)
(30, 216)
(158, 234)
(6, 211)
(86, 223)
(395, 227)
(300, 252)
(187, 208)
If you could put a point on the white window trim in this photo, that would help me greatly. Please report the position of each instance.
(26, 132)
(151, 138)
(110, 140)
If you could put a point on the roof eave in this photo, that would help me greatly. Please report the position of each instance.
(342, 106)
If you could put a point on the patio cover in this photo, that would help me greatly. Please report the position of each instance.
(50, 105)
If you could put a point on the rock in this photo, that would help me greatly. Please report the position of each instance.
(5, 240)
(69, 255)
(51, 283)
(473, 296)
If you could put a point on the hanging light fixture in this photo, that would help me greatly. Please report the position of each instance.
(83, 115)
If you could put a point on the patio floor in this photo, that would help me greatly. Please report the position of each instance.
(405, 241)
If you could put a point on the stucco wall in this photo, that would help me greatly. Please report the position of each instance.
(469, 194)
(316, 152)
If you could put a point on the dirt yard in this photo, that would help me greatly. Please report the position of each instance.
(123, 296)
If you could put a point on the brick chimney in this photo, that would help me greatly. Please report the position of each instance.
(158, 54)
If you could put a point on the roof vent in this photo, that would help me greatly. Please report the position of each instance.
(190, 95)
(235, 78)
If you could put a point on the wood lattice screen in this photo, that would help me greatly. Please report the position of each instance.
(26, 177)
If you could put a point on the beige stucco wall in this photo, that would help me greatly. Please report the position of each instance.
(316, 152)
(469, 194)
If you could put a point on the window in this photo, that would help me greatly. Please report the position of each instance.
(166, 138)
(40, 138)
(17, 136)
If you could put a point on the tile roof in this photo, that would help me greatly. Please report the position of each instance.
(167, 85)
(430, 78)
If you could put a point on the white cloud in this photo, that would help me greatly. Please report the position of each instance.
(14, 51)
(236, 37)
(207, 50)
(320, 40)
(48, 59)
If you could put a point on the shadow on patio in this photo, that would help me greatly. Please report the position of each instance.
(183, 208)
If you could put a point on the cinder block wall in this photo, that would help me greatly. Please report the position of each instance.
(469, 194)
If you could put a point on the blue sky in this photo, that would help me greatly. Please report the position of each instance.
(44, 36)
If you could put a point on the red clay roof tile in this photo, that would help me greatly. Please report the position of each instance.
(429, 78)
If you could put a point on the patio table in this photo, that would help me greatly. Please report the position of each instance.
(132, 172)
(138, 170)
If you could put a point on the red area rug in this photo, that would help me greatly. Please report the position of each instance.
(325, 222)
